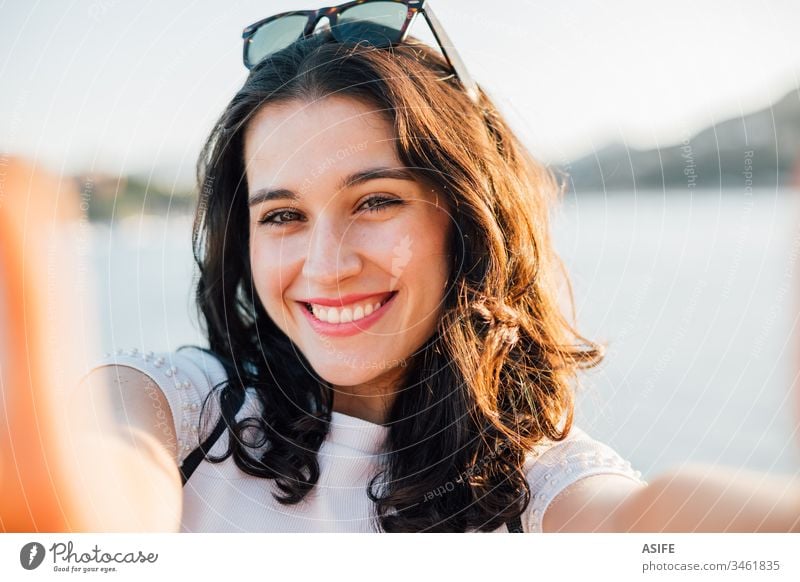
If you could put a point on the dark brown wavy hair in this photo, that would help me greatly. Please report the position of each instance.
(494, 380)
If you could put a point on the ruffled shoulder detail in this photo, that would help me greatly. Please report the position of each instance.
(185, 376)
(558, 465)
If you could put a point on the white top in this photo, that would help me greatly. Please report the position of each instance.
(221, 498)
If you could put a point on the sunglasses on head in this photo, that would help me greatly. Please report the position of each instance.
(381, 23)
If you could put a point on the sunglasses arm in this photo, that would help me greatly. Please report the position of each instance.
(452, 56)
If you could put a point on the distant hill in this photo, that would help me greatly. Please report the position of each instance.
(106, 197)
(766, 143)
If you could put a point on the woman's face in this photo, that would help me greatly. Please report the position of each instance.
(348, 249)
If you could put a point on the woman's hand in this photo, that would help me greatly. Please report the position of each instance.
(71, 459)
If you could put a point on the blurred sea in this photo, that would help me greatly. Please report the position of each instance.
(695, 294)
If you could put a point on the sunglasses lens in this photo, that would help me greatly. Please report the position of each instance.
(273, 36)
(378, 23)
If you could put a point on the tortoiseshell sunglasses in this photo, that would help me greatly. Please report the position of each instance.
(381, 23)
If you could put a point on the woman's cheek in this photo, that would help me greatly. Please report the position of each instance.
(391, 245)
(266, 280)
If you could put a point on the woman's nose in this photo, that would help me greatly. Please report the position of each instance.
(330, 256)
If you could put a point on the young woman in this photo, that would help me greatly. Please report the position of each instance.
(380, 295)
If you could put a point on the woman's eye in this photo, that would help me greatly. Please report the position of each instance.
(377, 203)
(278, 217)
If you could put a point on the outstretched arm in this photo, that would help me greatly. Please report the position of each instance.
(95, 458)
(695, 498)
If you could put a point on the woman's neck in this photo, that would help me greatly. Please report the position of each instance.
(359, 408)
(370, 401)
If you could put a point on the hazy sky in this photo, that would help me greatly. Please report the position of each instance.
(135, 86)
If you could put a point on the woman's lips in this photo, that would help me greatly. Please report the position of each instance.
(347, 299)
(349, 328)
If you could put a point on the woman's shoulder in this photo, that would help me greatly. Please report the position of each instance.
(187, 368)
(555, 465)
(185, 376)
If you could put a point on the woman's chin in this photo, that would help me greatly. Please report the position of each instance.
(355, 372)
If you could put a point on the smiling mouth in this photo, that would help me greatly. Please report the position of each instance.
(350, 313)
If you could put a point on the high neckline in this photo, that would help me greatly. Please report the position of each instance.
(356, 433)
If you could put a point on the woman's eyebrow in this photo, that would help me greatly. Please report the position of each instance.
(354, 179)
(375, 174)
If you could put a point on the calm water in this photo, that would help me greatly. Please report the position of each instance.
(695, 296)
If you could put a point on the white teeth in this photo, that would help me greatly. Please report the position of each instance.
(344, 314)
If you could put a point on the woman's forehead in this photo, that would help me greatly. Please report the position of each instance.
(335, 135)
